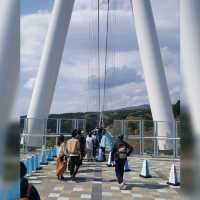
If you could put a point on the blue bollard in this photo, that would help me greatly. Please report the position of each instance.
(38, 158)
(54, 152)
(50, 155)
(28, 167)
(37, 162)
(33, 164)
(43, 159)
(126, 167)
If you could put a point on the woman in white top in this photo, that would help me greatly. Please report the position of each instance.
(61, 162)
(89, 147)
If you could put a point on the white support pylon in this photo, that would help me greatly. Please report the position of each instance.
(9, 59)
(190, 56)
(50, 63)
(9, 56)
(154, 73)
(9, 76)
(190, 72)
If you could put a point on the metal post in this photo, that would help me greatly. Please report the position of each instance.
(57, 126)
(125, 129)
(154, 73)
(155, 138)
(59, 129)
(140, 132)
(156, 149)
(45, 131)
(174, 140)
(84, 125)
(142, 137)
(26, 137)
(76, 123)
(177, 139)
(122, 127)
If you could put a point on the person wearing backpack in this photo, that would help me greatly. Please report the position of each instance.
(121, 150)
(73, 152)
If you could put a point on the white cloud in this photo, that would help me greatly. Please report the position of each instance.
(80, 54)
(33, 30)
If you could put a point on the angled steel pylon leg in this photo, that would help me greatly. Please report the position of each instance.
(154, 74)
(190, 103)
(49, 67)
(9, 76)
(9, 56)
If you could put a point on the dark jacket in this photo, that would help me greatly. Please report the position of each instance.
(114, 154)
(28, 191)
(82, 142)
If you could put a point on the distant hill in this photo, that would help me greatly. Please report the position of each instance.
(142, 112)
(142, 107)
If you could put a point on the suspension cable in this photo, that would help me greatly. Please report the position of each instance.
(99, 64)
(106, 60)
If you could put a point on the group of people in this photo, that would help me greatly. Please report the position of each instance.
(79, 147)
(72, 153)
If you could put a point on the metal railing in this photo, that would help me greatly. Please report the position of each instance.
(145, 136)
(155, 138)
(38, 132)
(52, 125)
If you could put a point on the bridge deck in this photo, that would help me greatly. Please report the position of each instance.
(96, 181)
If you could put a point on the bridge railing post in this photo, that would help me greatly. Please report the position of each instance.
(141, 137)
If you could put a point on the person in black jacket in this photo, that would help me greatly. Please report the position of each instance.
(82, 142)
(27, 191)
(121, 150)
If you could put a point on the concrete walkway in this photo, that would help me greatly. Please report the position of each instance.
(97, 182)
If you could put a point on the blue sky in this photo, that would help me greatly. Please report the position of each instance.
(32, 6)
(71, 94)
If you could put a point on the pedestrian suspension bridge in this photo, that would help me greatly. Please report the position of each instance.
(156, 143)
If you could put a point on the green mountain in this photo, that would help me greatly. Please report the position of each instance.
(141, 112)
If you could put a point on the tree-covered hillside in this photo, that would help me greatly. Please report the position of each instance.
(135, 113)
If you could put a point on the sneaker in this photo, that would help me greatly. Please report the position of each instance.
(121, 186)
